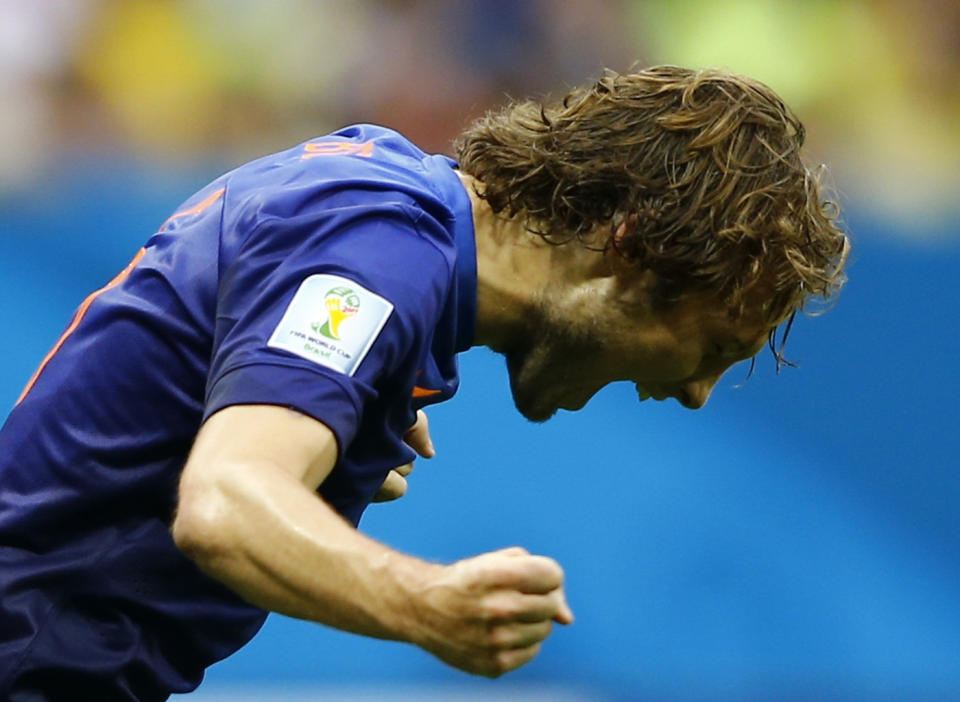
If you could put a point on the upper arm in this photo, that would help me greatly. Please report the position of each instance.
(274, 343)
(240, 438)
(248, 461)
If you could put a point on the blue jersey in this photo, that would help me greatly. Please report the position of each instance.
(337, 278)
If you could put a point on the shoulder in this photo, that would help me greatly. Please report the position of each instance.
(358, 167)
(367, 157)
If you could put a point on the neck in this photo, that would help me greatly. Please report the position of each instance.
(512, 268)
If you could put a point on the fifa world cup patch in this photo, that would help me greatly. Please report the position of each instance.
(332, 321)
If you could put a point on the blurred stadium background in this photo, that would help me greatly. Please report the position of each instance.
(795, 540)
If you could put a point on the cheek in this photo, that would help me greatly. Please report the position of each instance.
(714, 368)
(677, 367)
(663, 361)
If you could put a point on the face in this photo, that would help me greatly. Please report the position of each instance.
(576, 345)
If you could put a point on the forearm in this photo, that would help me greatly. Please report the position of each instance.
(280, 547)
(250, 517)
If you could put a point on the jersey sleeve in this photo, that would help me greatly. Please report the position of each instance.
(322, 312)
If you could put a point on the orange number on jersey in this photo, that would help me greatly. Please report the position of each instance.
(337, 148)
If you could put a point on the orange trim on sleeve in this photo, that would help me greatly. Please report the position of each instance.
(196, 209)
(119, 278)
(77, 318)
(424, 392)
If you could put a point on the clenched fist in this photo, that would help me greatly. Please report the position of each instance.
(488, 615)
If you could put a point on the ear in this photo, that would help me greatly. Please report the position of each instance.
(620, 281)
(630, 283)
(633, 286)
(626, 282)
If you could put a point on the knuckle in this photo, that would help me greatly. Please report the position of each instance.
(552, 566)
(395, 485)
(544, 632)
(491, 612)
(547, 569)
(501, 663)
(499, 574)
(498, 638)
(493, 671)
(488, 665)
(499, 608)
(472, 580)
(485, 612)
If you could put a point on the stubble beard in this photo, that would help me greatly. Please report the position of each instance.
(543, 363)
(522, 367)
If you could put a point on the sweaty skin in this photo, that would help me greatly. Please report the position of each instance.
(569, 321)
(249, 516)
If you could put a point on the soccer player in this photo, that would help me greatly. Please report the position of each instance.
(199, 445)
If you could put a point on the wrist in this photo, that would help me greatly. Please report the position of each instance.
(410, 582)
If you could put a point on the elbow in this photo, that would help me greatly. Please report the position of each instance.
(200, 529)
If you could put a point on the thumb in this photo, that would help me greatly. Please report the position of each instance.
(565, 614)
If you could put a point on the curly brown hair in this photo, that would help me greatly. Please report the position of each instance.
(694, 175)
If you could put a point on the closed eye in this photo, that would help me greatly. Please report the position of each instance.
(727, 349)
(733, 351)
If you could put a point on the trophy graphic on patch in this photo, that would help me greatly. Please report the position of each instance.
(341, 303)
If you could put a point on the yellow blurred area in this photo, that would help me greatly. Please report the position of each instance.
(154, 71)
(877, 82)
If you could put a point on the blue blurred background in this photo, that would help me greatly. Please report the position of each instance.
(797, 539)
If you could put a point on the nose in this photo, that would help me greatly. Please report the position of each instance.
(694, 395)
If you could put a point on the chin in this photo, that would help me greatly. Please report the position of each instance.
(534, 413)
(528, 402)
(531, 405)
(539, 406)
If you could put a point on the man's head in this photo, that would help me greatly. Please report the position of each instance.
(691, 185)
